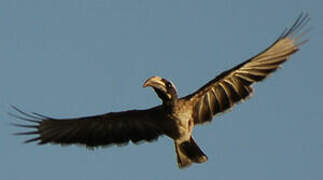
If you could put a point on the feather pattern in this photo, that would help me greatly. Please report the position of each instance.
(234, 85)
(101, 130)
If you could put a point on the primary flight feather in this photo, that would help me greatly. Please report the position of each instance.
(175, 117)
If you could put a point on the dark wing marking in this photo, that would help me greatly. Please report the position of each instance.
(234, 85)
(101, 130)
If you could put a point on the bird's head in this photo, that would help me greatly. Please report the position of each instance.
(165, 89)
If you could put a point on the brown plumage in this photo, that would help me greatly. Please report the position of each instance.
(175, 117)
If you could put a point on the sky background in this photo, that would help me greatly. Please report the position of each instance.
(77, 58)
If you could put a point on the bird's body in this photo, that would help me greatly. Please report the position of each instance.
(175, 117)
(182, 115)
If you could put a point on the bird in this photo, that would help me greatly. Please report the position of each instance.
(176, 116)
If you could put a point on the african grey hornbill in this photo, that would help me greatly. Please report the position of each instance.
(175, 117)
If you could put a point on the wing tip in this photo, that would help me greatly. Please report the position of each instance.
(33, 119)
(296, 32)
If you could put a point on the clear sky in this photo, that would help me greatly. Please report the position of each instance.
(76, 58)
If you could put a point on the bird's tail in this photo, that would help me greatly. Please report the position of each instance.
(188, 152)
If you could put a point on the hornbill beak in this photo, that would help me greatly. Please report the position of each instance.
(155, 82)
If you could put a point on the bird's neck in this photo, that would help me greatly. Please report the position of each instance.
(170, 103)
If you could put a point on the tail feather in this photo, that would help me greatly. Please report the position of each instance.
(188, 152)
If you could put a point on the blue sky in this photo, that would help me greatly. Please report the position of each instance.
(76, 58)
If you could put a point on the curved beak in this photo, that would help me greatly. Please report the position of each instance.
(155, 82)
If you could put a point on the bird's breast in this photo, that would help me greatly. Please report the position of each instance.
(182, 120)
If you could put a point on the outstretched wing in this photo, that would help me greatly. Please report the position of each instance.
(101, 130)
(234, 85)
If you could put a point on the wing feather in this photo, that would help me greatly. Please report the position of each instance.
(234, 85)
(101, 130)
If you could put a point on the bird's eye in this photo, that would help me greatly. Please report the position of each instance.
(168, 85)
